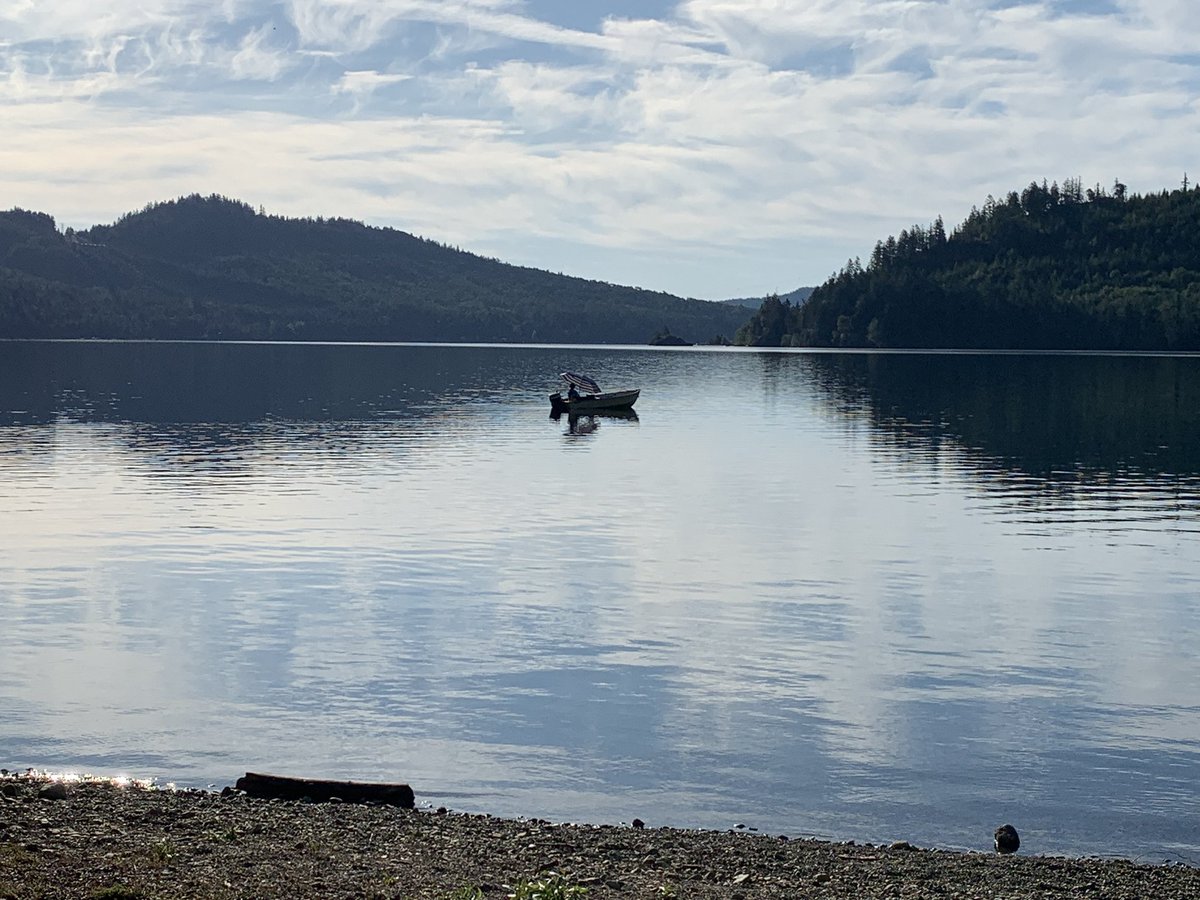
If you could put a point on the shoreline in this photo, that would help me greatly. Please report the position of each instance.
(96, 839)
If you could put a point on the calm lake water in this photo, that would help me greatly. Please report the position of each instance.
(869, 596)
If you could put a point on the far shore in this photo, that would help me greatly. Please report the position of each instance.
(94, 840)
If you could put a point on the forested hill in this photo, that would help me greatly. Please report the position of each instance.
(1048, 268)
(798, 296)
(213, 268)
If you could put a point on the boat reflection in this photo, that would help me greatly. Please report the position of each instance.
(588, 423)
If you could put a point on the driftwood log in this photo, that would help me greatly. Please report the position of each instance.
(281, 787)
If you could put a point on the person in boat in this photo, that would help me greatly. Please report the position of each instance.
(572, 393)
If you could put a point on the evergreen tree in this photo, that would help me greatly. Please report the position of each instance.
(1049, 268)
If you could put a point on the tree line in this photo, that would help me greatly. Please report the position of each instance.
(215, 268)
(1050, 267)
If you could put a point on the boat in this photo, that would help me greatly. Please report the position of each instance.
(601, 402)
(592, 399)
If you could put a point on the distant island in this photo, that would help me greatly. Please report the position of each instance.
(664, 338)
(215, 268)
(1056, 268)
(796, 297)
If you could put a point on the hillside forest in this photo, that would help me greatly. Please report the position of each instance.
(1052, 267)
(215, 268)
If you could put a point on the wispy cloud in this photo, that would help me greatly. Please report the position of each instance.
(256, 58)
(777, 136)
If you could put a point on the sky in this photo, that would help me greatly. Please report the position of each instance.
(708, 148)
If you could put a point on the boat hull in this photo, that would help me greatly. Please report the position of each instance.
(608, 400)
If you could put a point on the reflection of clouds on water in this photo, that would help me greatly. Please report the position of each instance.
(1034, 631)
(766, 600)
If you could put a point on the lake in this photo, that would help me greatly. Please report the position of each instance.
(869, 596)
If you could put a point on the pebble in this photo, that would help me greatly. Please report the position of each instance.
(55, 790)
(308, 852)
(1006, 839)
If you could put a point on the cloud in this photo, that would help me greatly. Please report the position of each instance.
(255, 59)
(355, 25)
(366, 82)
(339, 26)
(726, 130)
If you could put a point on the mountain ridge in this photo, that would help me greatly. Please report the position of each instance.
(214, 268)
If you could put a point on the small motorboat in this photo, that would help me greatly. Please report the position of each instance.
(584, 396)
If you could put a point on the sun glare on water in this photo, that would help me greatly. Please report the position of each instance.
(73, 777)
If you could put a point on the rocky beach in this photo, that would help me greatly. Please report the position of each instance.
(99, 839)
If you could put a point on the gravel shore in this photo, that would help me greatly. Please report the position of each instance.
(99, 840)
